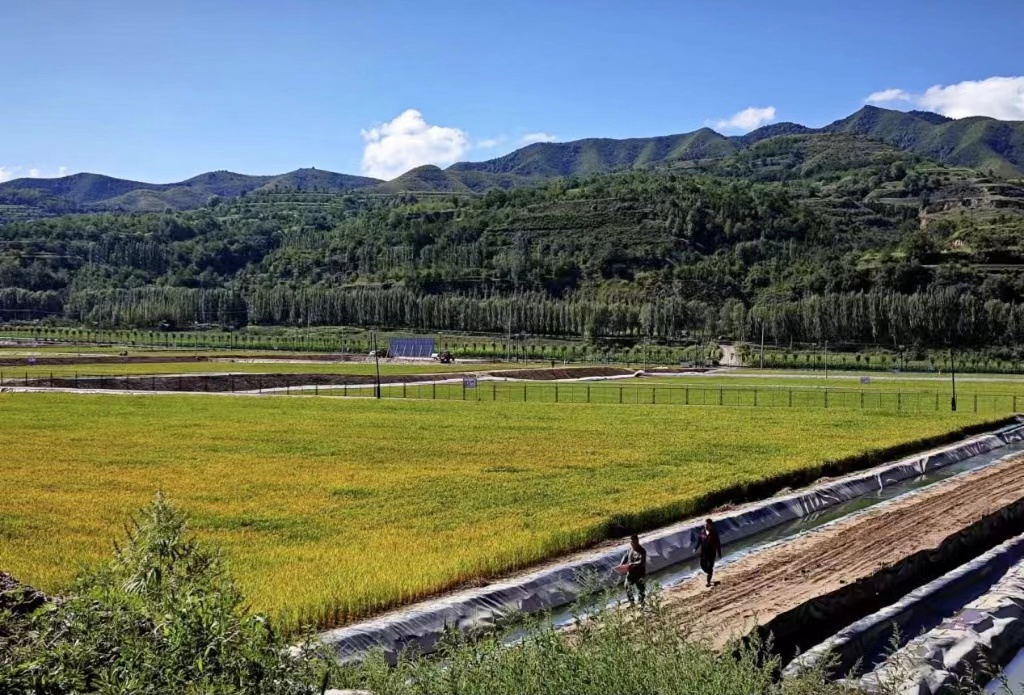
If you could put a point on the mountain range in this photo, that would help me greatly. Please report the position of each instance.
(989, 145)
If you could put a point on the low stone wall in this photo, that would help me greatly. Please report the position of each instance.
(17, 597)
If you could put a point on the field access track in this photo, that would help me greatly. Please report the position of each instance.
(158, 358)
(803, 589)
(258, 382)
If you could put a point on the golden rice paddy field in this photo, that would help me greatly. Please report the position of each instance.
(332, 509)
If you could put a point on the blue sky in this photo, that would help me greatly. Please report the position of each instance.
(163, 91)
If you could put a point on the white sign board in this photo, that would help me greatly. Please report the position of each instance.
(469, 382)
(865, 380)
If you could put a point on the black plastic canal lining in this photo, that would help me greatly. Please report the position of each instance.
(982, 635)
(809, 624)
(867, 643)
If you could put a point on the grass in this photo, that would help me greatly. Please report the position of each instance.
(973, 383)
(610, 652)
(764, 393)
(330, 509)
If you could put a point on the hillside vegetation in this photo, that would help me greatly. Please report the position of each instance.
(991, 146)
(817, 236)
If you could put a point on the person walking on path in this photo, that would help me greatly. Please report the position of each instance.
(635, 560)
(710, 549)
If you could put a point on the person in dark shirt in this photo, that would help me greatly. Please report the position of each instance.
(636, 559)
(710, 549)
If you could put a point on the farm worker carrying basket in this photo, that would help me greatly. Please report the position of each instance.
(634, 566)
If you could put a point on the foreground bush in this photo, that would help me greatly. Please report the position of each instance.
(616, 652)
(162, 617)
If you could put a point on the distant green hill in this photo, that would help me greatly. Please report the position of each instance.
(821, 234)
(980, 143)
(601, 155)
(429, 178)
(90, 192)
(985, 144)
(977, 142)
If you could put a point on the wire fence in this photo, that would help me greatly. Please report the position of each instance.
(651, 394)
(470, 389)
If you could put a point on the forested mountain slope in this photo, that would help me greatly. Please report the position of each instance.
(28, 198)
(819, 235)
(980, 143)
(994, 147)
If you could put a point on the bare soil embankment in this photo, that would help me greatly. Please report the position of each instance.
(804, 589)
(157, 358)
(236, 382)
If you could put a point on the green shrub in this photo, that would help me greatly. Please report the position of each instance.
(610, 652)
(162, 617)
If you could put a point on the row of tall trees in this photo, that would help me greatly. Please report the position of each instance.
(940, 316)
(154, 306)
(17, 304)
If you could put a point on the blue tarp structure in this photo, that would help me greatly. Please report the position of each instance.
(411, 347)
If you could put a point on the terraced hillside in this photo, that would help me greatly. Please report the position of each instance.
(814, 236)
(988, 145)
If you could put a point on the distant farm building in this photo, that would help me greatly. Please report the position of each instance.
(411, 347)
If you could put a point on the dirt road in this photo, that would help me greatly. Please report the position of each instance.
(729, 357)
(761, 586)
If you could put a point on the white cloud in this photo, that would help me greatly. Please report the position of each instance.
(747, 119)
(489, 143)
(531, 138)
(998, 97)
(8, 173)
(408, 141)
(887, 95)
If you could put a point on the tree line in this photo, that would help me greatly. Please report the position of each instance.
(809, 239)
(942, 316)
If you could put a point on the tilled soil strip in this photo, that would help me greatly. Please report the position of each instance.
(157, 358)
(255, 382)
(760, 587)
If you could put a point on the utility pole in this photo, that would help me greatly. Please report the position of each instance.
(762, 345)
(952, 372)
(376, 359)
(826, 359)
